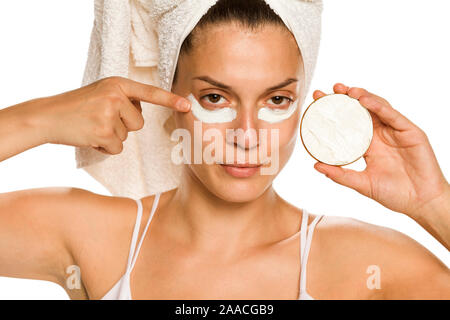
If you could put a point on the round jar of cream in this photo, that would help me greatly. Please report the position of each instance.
(336, 129)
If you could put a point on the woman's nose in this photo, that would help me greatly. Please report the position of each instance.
(245, 132)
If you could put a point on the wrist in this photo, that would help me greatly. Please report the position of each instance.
(437, 207)
(434, 217)
(35, 119)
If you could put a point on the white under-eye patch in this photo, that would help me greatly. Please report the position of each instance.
(221, 115)
(272, 115)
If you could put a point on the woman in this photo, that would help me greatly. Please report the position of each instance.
(224, 233)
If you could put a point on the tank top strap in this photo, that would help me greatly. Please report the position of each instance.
(306, 246)
(155, 205)
(137, 226)
(303, 232)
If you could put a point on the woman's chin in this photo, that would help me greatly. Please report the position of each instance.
(239, 187)
(238, 192)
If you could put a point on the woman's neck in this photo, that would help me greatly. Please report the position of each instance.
(208, 223)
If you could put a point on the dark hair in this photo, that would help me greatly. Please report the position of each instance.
(251, 14)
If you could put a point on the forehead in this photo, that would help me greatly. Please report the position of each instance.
(231, 48)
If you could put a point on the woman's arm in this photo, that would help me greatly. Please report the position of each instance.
(34, 227)
(434, 217)
(402, 171)
(99, 115)
(18, 130)
(39, 228)
(402, 174)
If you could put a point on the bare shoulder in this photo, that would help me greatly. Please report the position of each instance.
(61, 227)
(99, 237)
(82, 214)
(102, 236)
(379, 262)
(61, 200)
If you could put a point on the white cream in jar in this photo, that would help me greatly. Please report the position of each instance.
(336, 129)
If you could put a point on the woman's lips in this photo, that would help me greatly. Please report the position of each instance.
(241, 171)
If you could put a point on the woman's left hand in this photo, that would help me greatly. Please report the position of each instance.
(402, 171)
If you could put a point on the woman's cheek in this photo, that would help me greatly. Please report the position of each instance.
(284, 135)
(207, 141)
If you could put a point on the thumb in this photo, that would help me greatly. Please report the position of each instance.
(346, 177)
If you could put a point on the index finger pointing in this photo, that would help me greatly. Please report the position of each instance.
(154, 95)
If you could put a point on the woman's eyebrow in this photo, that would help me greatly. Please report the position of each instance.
(227, 87)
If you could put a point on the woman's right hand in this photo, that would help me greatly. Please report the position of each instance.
(101, 114)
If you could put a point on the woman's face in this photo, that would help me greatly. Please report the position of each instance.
(230, 66)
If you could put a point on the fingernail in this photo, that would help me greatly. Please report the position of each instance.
(183, 105)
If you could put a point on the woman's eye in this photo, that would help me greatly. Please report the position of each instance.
(213, 98)
(280, 102)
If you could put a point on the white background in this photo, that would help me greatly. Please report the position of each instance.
(397, 49)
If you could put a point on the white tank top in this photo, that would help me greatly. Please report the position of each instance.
(121, 290)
